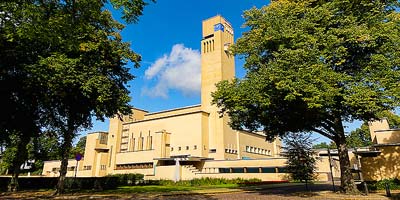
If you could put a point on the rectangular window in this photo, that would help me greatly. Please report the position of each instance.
(187, 147)
(282, 170)
(238, 170)
(151, 142)
(213, 151)
(253, 170)
(195, 147)
(268, 170)
(224, 170)
(141, 143)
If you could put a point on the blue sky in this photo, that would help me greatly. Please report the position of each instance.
(168, 39)
(164, 25)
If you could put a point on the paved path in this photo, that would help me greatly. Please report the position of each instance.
(274, 192)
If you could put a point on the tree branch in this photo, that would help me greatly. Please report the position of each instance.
(323, 133)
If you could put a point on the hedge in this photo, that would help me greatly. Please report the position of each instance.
(96, 183)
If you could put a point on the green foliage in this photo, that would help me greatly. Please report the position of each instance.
(128, 179)
(78, 148)
(324, 145)
(79, 183)
(207, 181)
(360, 137)
(301, 162)
(393, 119)
(63, 62)
(394, 184)
(312, 65)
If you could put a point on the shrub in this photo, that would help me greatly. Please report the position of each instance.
(206, 181)
(128, 179)
(394, 184)
(96, 183)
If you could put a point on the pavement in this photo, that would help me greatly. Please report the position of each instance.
(292, 191)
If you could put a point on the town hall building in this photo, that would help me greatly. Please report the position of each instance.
(196, 142)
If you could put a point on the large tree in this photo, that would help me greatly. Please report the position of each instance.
(312, 65)
(64, 62)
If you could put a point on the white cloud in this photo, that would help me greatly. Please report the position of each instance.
(180, 70)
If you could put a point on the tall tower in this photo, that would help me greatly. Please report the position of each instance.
(216, 65)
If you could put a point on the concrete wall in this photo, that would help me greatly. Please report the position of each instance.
(386, 165)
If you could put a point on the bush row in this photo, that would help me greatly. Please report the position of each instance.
(205, 181)
(394, 184)
(96, 183)
(128, 179)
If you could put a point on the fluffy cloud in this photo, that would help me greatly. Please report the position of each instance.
(180, 70)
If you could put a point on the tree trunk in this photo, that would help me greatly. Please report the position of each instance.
(17, 161)
(346, 178)
(66, 148)
(13, 185)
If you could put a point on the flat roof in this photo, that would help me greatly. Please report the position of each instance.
(174, 109)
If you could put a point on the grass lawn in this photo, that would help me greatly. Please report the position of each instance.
(164, 188)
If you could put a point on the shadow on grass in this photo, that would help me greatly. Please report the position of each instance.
(291, 189)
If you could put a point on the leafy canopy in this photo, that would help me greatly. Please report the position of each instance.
(301, 161)
(311, 64)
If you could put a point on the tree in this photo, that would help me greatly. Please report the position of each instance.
(301, 162)
(324, 145)
(68, 59)
(312, 65)
(78, 148)
(359, 137)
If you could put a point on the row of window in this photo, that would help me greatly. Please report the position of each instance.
(253, 170)
(87, 167)
(187, 148)
(135, 166)
(136, 144)
(257, 150)
(231, 151)
(208, 46)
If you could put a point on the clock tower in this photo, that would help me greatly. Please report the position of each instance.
(217, 64)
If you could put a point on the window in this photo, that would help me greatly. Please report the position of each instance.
(195, 147)
(213, 151)
(151, 142)
(103, 167)
(103, 138)
(268, 169)
(187, 147)
(141, 143)
(71, 168)
(87, 167)
(253, 170)
(172, 148)
(282, 170)
(238, 170)
(179, 148)
(224, 170)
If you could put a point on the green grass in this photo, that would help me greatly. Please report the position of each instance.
(164, 188)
